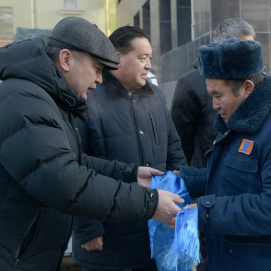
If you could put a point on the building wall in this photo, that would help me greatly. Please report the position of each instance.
(205, 16)
(110, 16)
(48, 13)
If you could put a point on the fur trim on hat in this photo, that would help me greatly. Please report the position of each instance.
(231, 59)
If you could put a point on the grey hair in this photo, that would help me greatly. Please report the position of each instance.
(53, 53)
(236, 84)
(233, 27)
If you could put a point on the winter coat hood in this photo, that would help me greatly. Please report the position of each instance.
(27, 60)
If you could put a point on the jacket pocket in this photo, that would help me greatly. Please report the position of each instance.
(28, 239)
(247, 256)
(241, 174)
(154, 129)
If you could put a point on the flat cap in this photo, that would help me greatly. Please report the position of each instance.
(78, 34)
(231, 59)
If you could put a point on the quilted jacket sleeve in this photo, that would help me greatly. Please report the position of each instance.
(35, 151)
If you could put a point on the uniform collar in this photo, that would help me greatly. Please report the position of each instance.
(250, 115)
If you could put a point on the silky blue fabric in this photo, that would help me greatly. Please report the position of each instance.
(174, 250)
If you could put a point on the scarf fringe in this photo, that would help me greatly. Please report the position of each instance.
(185, 250)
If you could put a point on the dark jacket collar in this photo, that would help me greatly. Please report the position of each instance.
(250, 115)
(196, 63)
(115, 88)
(27, 60)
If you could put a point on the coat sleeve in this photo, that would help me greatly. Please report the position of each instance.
(86, 229)
(195, 180)
(175, 154)
(35, 151)
(184, 112)
(243, 215)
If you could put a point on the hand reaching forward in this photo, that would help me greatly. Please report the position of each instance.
(144, 175)
(96, 243)
(191, 206)
(167, 210)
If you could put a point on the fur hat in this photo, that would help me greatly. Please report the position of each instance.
(78, 34)
(231, 59)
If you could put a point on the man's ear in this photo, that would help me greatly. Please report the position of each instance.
(64, 59)
(120, 56)
(249, 87)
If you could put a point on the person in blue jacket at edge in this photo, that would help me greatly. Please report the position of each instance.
(234, 191)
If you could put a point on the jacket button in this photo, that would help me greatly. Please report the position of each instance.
(207, 202)
(76, 129)
(230, 251)
(141, 132)
(134, 100)
(147, 165)
(264, 73)
(207, 216)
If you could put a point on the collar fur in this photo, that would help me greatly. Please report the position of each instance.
(250, 115)
(115, 88)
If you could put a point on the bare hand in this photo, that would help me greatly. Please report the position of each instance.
(167, 210)
(94, 244)
(191, 206)
(176, 172)
(144, 175)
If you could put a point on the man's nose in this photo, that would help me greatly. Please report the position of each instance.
(216, 105)
(99, 78)
(148, 65)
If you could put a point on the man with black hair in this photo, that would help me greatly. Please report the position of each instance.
(234, 191)
(44, 176)
(129, 122)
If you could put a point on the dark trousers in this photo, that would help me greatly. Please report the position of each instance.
(204, 265)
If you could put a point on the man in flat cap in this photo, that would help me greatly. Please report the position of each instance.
(44, 176)
(234, 191)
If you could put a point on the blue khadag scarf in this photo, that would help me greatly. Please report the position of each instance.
(175, 249)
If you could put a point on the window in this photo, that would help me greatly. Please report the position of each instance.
(70, 4)
(71, 7)
(147, 18)
(184, 21)
(137, 20)
(165, 26)
(6, 23)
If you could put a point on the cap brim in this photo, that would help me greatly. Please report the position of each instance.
(107, 64)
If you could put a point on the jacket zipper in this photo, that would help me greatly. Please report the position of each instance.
(153, 128)
(136, 125)
(19, 248)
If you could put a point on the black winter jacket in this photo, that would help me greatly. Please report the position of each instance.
(193, 116)
(130, 127)
(44, 177)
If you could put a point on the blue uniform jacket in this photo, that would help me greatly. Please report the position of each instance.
(235, 212)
